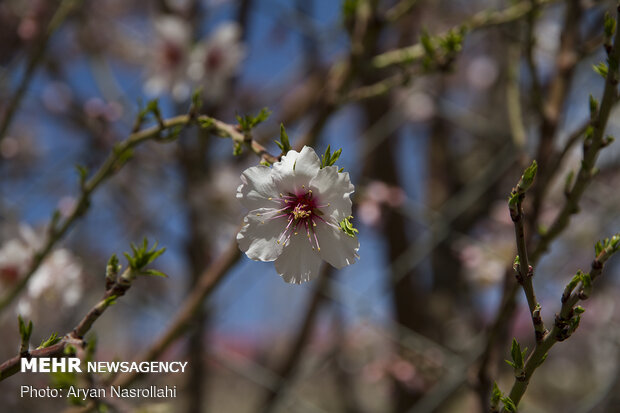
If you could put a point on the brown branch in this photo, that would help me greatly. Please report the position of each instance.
(207, 283)
(480, 20)
(112, 165)
(287, 369)
(566, 322)
(75, 337)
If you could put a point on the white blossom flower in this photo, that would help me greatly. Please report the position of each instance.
(168, 63)
(16, 255)
(56, 280)
(296, 210)
(216, 59)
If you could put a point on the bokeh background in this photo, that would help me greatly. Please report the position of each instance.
(433, 155)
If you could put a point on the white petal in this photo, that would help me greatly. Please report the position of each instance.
(173, 29)
(180, 91)
(226, 33)
(155, 86)
(296, 169)
(299, 262)
(333, 188)
(337, 248)
(257, 188)
(258, 236)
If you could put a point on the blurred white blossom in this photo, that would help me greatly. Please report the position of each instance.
(177, 67)
(57, 281)
(215, 60)
(169, 60)
(296, 208)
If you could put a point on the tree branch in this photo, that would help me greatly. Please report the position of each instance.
(115, 161)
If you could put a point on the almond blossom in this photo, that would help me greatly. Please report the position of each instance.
(298, 216)
(215, 60)
(56, 281)
(168, 63)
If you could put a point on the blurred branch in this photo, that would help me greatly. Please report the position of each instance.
(482, 19)
(530, 42)
(287, 369)
(207, 283)
(399, 10)
(513, 99)
(115, 161)
(553, 106)
(63, 11)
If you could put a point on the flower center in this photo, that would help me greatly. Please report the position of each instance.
(215, 58)
(302, 211)
(9, 273)
(172, 55)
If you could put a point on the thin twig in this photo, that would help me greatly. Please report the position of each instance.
(115, 161)
(286, 370)
(565, 324)
(478, 21)
(75, 338)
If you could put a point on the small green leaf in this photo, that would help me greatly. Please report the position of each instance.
(528, 176)
(205, 122)
(284, 143)
(572, 284)
(427, 43)
(593, 107)
(601, 69)
(452, 42)
(509, 405)
(586, 284)
(111, 300)
(112, 268)
(70, 350)
(154, 273)
(516, 354)
(196, 100)
(579, 310)
(496, 395)
(328, 159)
(609, 25)
(248, 122)
(598, 248)
(53, 339)
(82, 172)
(142, 256)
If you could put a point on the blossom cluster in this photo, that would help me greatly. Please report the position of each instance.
(176, 66)
(56, 281)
